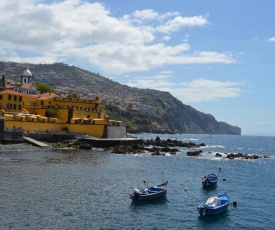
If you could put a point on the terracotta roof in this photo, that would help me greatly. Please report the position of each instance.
(26, 86)
(12, 92)
(47, 95)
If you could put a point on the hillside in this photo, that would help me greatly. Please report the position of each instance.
(143, 110)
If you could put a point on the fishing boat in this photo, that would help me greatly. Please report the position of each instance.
(214, 205)
(149, 193)
(210, 180)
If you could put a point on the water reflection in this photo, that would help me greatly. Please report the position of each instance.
(208, 222)
(142, 204)
(75, 156)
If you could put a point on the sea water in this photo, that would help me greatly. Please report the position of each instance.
(78, 189)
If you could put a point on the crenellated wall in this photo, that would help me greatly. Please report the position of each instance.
(89, 129)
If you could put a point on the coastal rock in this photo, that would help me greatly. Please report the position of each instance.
(135, 149)
(244, 156)
(157, 147)
(194, 153)
(172, 143)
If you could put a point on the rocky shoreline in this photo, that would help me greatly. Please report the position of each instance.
(160, 147)
(230, 156)
(17, 147)
(155, 147)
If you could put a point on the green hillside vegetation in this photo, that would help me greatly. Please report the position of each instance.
(142, 110)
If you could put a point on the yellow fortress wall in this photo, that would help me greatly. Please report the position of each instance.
(33, 112)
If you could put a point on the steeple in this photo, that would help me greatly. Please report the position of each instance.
(3, 83)
(26, 77)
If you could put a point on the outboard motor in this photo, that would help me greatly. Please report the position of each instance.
(135, 191)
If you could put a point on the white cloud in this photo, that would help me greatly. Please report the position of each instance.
(157, 82)
(166, 38)
(198, 90)
(77, 31)
(179, 22)
(271, 39)
(149, 14)
(207, 90)
(145, 14)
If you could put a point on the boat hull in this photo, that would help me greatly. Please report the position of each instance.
(152, 193)
(209, 181)
(206, 210)
(209, 184)
(212, 211)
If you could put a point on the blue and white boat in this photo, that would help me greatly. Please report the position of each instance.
(210, 180)
(214, 205)
(149, 193)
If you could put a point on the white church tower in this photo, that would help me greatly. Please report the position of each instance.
(26, 77)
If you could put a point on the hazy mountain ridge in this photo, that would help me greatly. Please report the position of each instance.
(143, 110)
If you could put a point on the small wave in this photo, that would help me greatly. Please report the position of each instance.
(215, 146)
(190, 139)
(214, 154)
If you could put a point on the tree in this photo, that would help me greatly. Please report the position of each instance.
(72, 95)
(51, 112)
(42, 87)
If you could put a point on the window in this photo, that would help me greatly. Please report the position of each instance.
(20, 107)
(15, 98)
(9, 97)
(20, 99)
(9, 106)
(14, 106)
(1, 97)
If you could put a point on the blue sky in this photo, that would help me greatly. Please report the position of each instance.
(217, 56)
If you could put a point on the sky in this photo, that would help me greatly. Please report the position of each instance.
(217, 56)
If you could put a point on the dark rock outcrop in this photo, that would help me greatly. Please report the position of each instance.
(244, 156)
(194, 153)
(156, 147)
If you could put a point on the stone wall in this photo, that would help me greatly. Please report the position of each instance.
(10, 135)
(2, 129)
(14, 136)
(116, 132)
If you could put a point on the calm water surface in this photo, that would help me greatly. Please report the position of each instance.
(69, 189)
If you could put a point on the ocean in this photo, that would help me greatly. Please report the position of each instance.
(80, 189)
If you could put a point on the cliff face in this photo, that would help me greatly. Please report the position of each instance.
(143, 110)
(173, 116)
(229, 129)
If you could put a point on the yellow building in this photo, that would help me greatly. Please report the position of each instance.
(23, 106)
